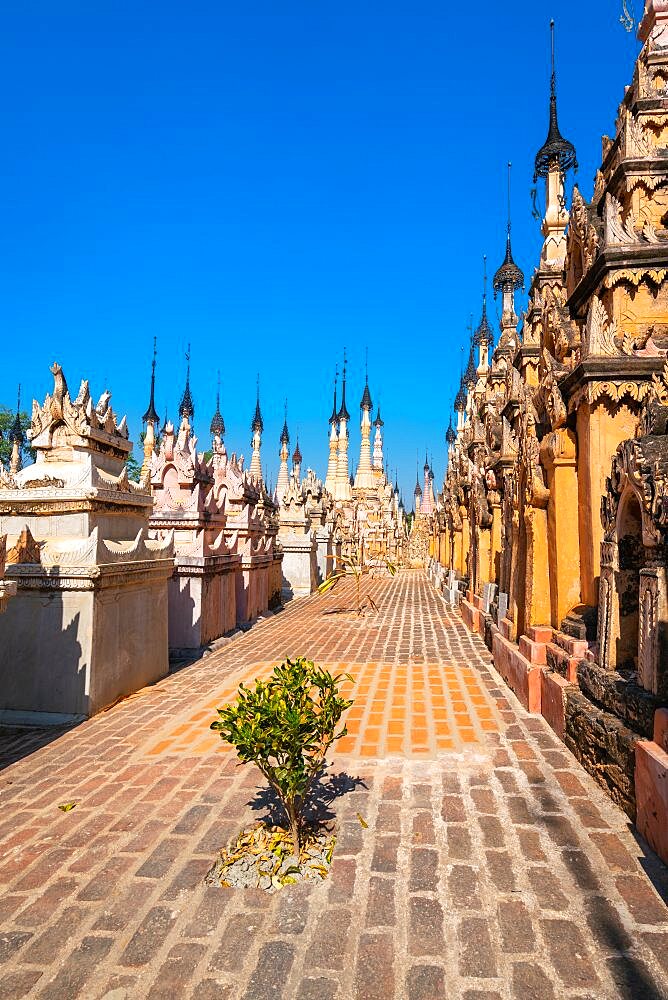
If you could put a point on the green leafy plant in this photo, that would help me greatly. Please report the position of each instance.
(353, 566)
(285, 725)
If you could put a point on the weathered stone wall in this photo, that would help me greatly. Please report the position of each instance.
(604, 746)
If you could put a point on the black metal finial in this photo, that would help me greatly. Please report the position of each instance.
(418, 489)
(509, 277)
(217, 422)
(508, 197)
(366, 403)
(285, 436)
(471, 374)
(483, 334)
(297, 455)
(186, 406)
(257, 424)
(555, 151)
(151, 412)
(343, 412)
(334, 416)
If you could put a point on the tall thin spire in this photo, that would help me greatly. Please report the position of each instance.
(334, 416)
(509, 277)
(217, 422)
(151, 412)
(364, 477)
(555, 150)
(417, 492)
(257, 423)
(343, 412)
(365, 403)
(471, 375)
(483, 333)
(186, 406)
(257, 426)
(285, 435)
(283, 480)
(332, 464)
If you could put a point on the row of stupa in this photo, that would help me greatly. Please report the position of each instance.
(92, 562)
(551, 531)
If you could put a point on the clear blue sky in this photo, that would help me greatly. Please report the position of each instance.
(272, 187)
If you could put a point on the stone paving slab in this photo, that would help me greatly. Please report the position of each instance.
(492, 867)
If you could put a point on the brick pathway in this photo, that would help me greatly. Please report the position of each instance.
(492, 866)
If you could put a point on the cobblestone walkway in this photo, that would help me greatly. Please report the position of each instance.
(491, 866)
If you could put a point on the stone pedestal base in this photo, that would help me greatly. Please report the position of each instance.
(74, 644)
(202, 600)
(325, 558)
(299, 565)
(252, 588)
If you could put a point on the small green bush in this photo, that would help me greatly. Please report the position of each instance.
(285, 725)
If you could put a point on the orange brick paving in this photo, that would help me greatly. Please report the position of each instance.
(491, 865)
(411, 710)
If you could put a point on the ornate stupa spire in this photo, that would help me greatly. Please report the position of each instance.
(343, 411)
(507, 280)
(555, 151)
(460, 398)
(343, 491)
(257, 426)
(151, 415)
(378, 445)
(16, 438)
(417, 492)
(330, 478)
(554, 158)
(150, 419)
(470, 378)
(297, 461)
(334, 419)
(283, 480)
(364, 478)
(427, 504)
(217, 427)
(186, 406)
(483, 336)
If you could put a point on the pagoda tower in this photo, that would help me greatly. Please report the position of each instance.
(507, 280)
(378, 446)
(297, 463)
(417, 493)
(257, 426)
(553, 159)
(364, 478)
(217, 426)
(330, 478)
(470, 376)
(343, 485)
(427, 505)
(283, 480)
(186, 406)
(151, 420)
(483, 336)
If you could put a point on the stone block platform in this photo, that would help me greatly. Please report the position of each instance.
(491, 865)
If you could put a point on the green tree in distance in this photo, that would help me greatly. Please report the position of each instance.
(7, 418)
